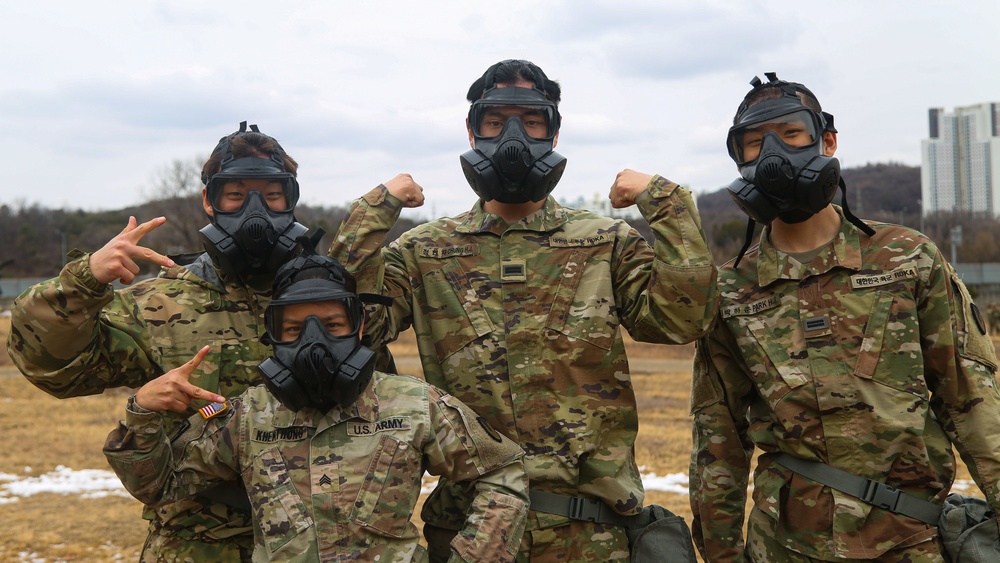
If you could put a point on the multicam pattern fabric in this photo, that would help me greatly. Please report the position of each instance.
(871, 358)
(74, 336)
(522, 322)
(340, 485)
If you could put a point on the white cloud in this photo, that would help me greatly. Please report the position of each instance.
(102, 94)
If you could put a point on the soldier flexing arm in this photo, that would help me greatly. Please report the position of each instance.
(518, 304)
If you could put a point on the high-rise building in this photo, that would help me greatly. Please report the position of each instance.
(961, 160)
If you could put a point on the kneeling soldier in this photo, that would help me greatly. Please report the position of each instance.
(330, 452)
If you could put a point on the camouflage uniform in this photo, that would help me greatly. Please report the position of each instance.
(340, 485)
(74, 336)
(521, 322)
(871, 358)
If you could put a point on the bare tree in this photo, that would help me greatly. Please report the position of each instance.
(176, 194)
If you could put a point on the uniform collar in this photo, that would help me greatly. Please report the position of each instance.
(365, 408)
(550, 217)
(843, 251)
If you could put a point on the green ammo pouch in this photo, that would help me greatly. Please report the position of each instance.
(968, 529)
(663, 536)
(655, 535)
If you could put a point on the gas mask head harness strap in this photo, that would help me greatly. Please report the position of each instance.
(511, 165)
(777, 142)
(313, 324)
(253, 237)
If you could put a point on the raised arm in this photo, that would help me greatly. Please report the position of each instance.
(73, 335)
(668, 293)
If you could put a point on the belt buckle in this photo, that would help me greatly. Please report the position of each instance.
(588, 510)
(880, 495)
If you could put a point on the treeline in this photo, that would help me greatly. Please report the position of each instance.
(33, 239)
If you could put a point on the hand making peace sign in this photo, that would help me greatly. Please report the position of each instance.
(172, 390)
(116, 260)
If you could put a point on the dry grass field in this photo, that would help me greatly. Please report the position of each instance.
(39, 433)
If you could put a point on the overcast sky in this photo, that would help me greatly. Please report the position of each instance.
(98, 97)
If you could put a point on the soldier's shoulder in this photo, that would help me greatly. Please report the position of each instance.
(581, 221)
(195, 279)
(399, 388)
(443, 228)
(178, 290)
(895, 245)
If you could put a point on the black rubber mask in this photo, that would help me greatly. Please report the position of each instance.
(318, 369)
(513, 167)
(783, 181)
(778, 145)
(254, 238)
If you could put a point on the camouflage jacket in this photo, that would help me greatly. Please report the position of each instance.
(340, 485)
(871, 358)
(73, 336)
(522, 322)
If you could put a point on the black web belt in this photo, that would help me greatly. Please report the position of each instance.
(581, 508)
(872, 492)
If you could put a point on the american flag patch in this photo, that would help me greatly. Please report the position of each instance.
(213, 409)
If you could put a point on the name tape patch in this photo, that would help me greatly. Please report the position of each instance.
(293, 434)
(372, 428)
(595, 240)
(751, 308)
(874, 280)
(447, 251)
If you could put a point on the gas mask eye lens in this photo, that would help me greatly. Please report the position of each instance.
(797, 129)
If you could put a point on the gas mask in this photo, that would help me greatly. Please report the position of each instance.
(512, 166)
(782, 180)
(313, 325)
(253, 238)
(784, 174)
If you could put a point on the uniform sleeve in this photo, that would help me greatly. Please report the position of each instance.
(960, 366)
(73, 336)
(666, 293)
(722, 450)
(382, 270)
(464, 448)
(157, 470)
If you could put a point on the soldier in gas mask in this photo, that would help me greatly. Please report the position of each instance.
(848, 352)
(518, 306)
(329, 451)
(75, 335)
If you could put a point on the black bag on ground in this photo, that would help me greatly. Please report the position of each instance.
(968, 529)
(664, 537)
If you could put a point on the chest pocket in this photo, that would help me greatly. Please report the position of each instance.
(888, 343)
(767, 333)
(277, 506)
(390, 489)
(583, 304)
(452, 303)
